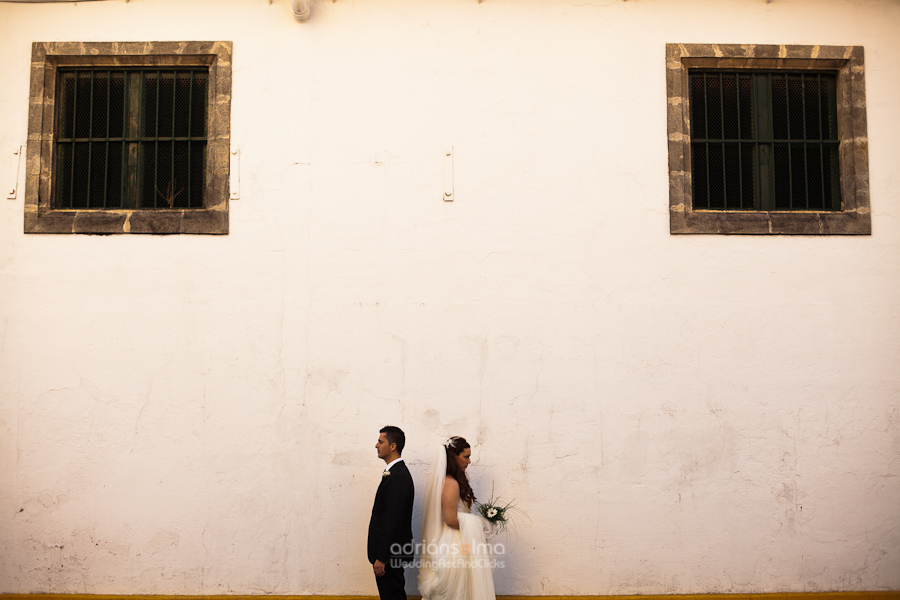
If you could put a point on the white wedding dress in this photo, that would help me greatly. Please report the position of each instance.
(455, 563)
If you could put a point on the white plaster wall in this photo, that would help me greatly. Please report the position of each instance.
(197, 414)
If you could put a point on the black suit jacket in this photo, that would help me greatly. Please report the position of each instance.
(391, 522)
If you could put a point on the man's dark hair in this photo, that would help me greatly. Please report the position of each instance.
(394, 435)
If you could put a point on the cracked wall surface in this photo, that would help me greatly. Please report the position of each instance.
(674, 414)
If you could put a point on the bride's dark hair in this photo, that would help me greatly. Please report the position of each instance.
(454, 448)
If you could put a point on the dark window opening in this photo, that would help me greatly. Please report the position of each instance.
(131, 139)
(764, 141)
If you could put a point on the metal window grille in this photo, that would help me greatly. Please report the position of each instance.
(131, 139)
(764, 140)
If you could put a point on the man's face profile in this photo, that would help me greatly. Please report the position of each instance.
(383, 447)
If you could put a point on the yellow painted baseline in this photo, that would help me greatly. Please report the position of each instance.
(877, 595)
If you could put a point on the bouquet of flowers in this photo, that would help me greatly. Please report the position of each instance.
(497, 514)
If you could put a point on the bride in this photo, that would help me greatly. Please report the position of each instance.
(456, 562)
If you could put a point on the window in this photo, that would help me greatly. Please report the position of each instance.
(763, 141)
(767, 140)
(129, 137)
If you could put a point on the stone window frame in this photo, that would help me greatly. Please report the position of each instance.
(46, 60)
(847, 62)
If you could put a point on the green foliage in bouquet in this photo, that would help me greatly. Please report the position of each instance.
(496, 513)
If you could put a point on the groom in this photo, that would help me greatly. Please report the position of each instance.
(390, 528)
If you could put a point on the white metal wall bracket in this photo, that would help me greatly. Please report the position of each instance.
(448, 174)
(234, 173)
(12, 188)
